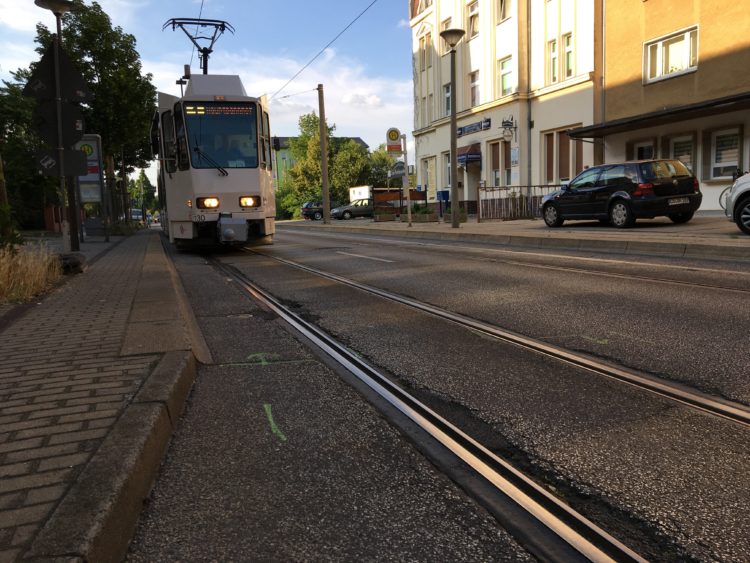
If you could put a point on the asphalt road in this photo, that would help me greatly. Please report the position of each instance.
(667, 480)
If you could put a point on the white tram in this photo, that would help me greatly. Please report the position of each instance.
(215, 156)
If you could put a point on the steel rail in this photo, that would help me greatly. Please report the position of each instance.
(585, 538)
(722, 408)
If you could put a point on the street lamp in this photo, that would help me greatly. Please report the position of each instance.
(452, 37)
(59, 7)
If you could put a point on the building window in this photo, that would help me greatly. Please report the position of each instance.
(563, 157)
(423, 113)
(447, 168)
(506, 162)
(419, 6)
(503, 10)
(495, 164)
(447, 99)
(567, 41)
(472, 22)
(552, 62)
(671, 56)
(447, 22)
(644, 150)
(683, 149)
(422, 53)
(430, 102)
(725, 153)
(505, 83)
(474, 88)
(428, 49)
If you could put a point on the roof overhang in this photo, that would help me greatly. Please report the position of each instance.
(469, 153)
(692, 111)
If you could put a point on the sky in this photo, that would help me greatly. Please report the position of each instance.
(366, 73)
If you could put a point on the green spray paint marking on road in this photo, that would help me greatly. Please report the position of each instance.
(604, 341)
(272, 423)
(262, 358)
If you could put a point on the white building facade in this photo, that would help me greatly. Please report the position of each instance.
(525, 71)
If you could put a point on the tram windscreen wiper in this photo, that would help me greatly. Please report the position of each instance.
(211, 161)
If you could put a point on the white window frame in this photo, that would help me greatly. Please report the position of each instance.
(553, 62)
(447, 168)
(654, 56)
(734, 131)
(568, 60)
(445, 24)
(447, 99)
(428, 48)
(475, 90)
(503, 72)
(472, 19)
(503, 10)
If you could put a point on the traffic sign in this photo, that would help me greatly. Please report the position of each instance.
(393, 141)
(74, 162)
(41, 84)
(90, 184)
(45, 118)
(397, 170)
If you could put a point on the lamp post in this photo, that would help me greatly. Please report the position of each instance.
(59, 7)
(452, 37)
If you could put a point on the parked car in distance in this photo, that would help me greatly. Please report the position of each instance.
(357, 208)
(314, 209)
(738, 203)
(621, 193)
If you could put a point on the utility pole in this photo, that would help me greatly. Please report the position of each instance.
(324, 157)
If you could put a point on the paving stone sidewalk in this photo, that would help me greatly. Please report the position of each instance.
(70, 367)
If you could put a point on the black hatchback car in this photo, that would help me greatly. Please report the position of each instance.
(621, 193)
(314, 209)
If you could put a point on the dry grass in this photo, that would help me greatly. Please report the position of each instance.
(27, 272)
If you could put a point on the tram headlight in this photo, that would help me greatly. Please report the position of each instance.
(207, 202)
(249, 201)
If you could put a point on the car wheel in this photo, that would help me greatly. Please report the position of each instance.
(681, 217)
(620, 215)
(317, 215)
(742, 215)
(552, 216)
(347, 214)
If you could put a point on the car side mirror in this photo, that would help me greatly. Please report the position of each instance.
(565, 187)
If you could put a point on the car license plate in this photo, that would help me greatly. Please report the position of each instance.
(679, 200)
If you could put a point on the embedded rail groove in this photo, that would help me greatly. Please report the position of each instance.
(572, 536)
(715, 406)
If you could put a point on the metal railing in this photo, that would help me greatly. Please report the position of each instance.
(512, 202)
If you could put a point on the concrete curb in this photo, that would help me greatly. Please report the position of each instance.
(98, 515)
(628, 247)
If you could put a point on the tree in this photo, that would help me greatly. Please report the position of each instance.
(380, 164)
(350, 166)
(124, 98)
(142, 192)
(27, 192)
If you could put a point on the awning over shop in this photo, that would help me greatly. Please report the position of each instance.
(670, 115)
(469, 153)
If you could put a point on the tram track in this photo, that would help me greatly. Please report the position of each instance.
(567, 535)
(716, 406)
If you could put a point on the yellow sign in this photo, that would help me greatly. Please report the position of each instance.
(393, 135)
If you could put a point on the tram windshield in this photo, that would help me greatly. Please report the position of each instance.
(222, 134)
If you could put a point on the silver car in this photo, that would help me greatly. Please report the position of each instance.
(738, 203)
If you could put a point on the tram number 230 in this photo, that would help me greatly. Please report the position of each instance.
(199, 218)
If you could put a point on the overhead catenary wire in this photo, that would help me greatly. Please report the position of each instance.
(200, 13)
(331, 42)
